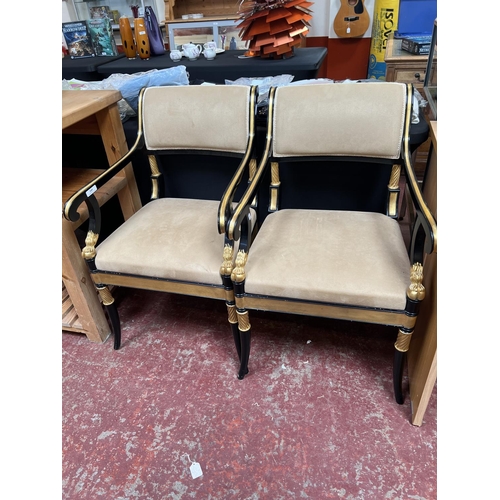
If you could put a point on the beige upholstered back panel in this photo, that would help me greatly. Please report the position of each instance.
(348, 119)
(197, 117)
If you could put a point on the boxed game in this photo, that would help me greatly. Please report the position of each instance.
(416, 45)
(78, 40)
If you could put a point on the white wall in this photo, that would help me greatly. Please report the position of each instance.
(321, 18)
(69, 14)
(320, 23)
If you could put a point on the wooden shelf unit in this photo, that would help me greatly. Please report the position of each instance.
(212, 10)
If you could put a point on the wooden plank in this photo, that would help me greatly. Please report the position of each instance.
(282, 39)
(115, 145)
(293, 3)
(206, 7)
(263, 39)
(81, 289)
(258, 26)
(78, 105)
(69, 316)
(299, 30)
(279, 26)
(297, 15)
(276, 14)
(87, 126)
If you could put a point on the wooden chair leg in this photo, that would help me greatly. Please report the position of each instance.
(399, 359)
(238, 279)
(115, 324)
(400, 348)
(245, 338)
(109, 304)
(225, 271)
(237, 339)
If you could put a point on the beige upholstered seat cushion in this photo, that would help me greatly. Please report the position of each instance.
(168, 238)
(355, 258)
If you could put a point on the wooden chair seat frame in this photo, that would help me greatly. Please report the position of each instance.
(103, 279)
(423, 240)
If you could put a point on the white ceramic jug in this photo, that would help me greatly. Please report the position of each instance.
(209, 54)
(175, 55)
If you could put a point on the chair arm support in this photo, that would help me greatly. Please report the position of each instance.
(424, 237)
(233, 227)
(425, 223)
(226, 205)
(94, 229)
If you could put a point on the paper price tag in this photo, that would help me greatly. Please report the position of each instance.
(195, 469)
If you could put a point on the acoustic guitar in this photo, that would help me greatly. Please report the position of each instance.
(352, 19)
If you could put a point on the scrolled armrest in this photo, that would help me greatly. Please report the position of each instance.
(242, 209)
(424, 237)
(226, 205)
(70, 209)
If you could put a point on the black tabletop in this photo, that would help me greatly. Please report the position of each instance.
(85, 68)
(303, 65)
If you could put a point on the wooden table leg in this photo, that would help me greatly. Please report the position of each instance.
(81, 289)
(115, 144)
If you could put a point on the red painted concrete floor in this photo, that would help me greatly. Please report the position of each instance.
(315, 418)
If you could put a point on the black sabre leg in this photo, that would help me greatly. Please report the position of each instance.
(244, 329)
(237, 340)
(115, 324)
(238, 280)
(399, 358)
(400, 348)
(109, 304)
(245, 351)
(231, 311)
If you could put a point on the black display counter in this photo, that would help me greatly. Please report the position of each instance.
(304, 65)
(85, 68)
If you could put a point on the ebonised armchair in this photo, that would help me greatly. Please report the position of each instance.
(175, 244)
(342, 264)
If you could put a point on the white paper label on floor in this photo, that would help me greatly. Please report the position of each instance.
(195, 469)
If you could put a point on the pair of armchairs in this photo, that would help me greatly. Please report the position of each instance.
(342, 264)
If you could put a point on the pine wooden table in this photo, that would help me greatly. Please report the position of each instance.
(91, 112)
